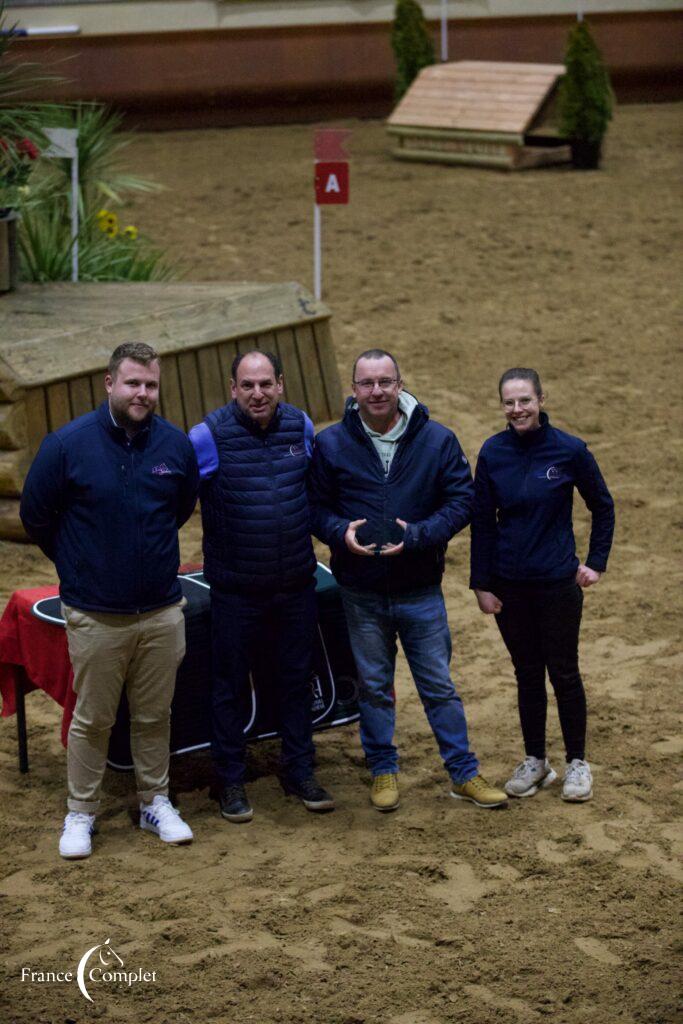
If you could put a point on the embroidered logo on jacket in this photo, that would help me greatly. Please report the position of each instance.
(552, 473)
(161, 470)
(297, 449)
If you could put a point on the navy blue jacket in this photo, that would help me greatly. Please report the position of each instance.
(107, 510)
(257, 533)
(429, 485)
(523, 491)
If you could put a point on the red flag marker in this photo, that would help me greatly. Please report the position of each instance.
(328, 143)
(331, 184)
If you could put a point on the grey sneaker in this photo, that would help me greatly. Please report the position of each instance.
(578, 782)
(530, 776)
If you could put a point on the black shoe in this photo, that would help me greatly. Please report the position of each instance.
(311, 794)
(234, 804)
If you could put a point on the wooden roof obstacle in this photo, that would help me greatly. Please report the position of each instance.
(56, 340)
(486, 113)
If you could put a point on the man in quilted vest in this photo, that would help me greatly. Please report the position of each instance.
(253, 459)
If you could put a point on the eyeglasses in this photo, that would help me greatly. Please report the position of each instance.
(384, 383)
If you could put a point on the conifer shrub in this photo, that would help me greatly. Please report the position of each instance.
(585, 97)
(411, 43)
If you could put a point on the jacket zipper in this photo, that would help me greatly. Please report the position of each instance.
(134, 469)
(276, 504)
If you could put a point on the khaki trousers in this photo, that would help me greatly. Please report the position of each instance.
(108, 652)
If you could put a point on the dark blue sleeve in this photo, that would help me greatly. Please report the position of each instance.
(593, 489)
(484, 528)
(326, 525)
(43, 494)
(187, 497)
(455, 510)
(205, 450)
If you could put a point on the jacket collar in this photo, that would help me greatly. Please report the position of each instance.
(352, 421)
(139, 440)
(533, 437)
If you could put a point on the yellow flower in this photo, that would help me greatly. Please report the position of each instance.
(131, 232)
(108, 223)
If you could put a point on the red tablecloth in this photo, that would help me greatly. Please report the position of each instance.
(34, 654)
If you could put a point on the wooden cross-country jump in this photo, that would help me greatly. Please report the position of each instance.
(56, 339)
(481, 112)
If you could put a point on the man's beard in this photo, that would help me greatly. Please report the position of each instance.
(130, 425)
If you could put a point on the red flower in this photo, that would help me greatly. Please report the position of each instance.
(4, 144)
(27, 148)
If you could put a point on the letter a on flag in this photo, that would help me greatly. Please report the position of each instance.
(331, 182)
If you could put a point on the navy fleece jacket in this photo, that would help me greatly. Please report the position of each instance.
(107, 510)
(523, 493)
(429, 485)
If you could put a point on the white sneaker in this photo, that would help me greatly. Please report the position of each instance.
(75, 842)
(163, 819)
(528, 777)
(578, 782)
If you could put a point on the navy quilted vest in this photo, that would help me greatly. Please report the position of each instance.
(257, 534)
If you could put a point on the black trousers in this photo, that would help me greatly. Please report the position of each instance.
(539, 623)
(240, 623)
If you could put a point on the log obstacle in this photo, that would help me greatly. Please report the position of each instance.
(56, 340)
(485, 113)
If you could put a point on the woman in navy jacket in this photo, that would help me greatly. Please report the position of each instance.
(525, 570)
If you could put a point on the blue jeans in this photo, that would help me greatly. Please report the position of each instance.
(239, 624)
(418, 619)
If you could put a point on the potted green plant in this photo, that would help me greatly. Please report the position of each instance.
(585, 98)
(411, 43)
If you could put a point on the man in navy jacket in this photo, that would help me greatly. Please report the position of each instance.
(389, 488)
(104, 499)
(253, 459)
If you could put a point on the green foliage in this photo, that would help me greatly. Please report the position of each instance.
(411, 43)
(105, 253)
(102, 178)
(585, 98)
(21, 135)
(46, 247)
(44, 202)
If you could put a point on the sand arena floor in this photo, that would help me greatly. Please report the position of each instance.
(440, 913)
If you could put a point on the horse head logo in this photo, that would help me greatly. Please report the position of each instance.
(108, 958)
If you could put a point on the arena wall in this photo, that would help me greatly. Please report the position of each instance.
(278, 71)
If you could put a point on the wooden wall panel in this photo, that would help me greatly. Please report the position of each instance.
(36, 417)
(294, 385)
(58, 404)
(97, 387)
(189, 385)
(13, 429)
(227, 351)
(172, 401)
(316, 398)
(80, 393)
(328, 365)
(210, 378)
(245, 345)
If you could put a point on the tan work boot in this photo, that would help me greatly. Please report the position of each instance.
(480, 792)
(384, 792)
